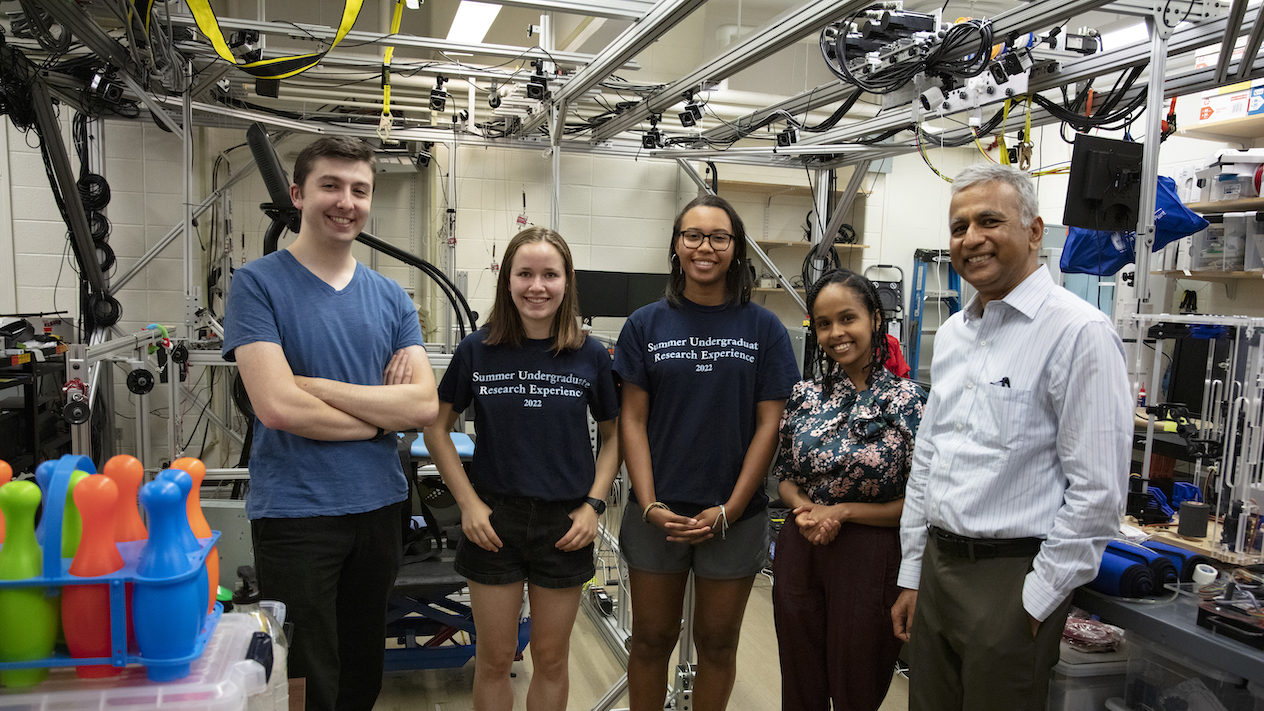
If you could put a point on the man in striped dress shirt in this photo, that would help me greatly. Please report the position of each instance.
(1020, 467)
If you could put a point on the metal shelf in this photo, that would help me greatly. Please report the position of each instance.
(1209, 275)
(802, 243)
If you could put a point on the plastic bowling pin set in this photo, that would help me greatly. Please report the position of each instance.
(120, 593)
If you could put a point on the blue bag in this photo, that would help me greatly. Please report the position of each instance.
(1105, 253)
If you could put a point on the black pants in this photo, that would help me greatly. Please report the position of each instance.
(832, 608)
(333, 573)
(971, 646)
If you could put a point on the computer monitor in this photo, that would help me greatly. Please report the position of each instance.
(1104, 188)
(617, 294)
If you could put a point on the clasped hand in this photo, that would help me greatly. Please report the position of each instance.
(818, 523)
(685, 529)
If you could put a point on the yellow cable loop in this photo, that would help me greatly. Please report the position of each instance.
(975, 132)
(926, 159)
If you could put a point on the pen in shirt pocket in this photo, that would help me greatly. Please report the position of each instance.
(1003, 382)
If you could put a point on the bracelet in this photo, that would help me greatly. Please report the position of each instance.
(723, 521)
(379, 434)
(645, 515)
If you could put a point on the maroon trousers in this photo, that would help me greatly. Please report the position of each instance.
(832, 608)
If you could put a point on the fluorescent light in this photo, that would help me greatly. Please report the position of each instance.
(472, 21)
(1125, 37)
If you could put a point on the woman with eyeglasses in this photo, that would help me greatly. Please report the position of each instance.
(705, 378)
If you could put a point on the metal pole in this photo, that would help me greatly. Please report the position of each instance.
(451, 262)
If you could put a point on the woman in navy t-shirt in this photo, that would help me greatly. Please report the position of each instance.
(531, 500)
(705, 377)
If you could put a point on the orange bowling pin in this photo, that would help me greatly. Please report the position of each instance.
(85, 609)
(197, 520)
(6, 473)
(127, 473)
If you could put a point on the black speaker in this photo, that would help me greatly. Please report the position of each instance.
(891, 297)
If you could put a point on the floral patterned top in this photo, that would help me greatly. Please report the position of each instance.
(842, 446)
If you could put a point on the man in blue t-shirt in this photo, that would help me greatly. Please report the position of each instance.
(331, 355)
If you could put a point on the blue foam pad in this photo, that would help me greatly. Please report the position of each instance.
(464, 446)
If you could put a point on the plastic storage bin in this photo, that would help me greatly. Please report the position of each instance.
(1160, 678)
(1083, 682)
(221, 680)
(1254, 260)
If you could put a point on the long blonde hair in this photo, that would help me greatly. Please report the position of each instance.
(504, 324)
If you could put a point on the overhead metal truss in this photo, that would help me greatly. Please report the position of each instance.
(298, 30)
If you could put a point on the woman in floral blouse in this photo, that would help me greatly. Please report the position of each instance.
(846, 445)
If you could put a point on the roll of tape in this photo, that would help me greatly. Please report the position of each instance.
(1204, 574)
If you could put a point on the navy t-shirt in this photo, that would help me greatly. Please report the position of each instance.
(531, 414)
(705, 368)
(349, 336)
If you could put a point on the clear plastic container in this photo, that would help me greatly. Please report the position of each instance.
(1235, 236)
(1083, 682)
(1160, 677)
(221, 680)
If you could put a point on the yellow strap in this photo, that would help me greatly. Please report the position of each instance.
(280, 67)
(1000, 137)
(1024, 149)
(386, 61)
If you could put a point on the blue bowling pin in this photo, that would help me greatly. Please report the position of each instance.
(44, 477)
(182, 479)
(167, 615)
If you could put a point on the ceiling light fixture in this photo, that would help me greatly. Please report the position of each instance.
(472, 21)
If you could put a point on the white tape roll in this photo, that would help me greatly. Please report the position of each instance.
(1204, 574)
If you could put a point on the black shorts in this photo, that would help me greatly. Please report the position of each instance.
(529, 530)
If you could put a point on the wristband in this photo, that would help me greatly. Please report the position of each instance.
(379, 434)
(645, 515)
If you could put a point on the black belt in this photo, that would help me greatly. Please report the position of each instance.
(976, 548)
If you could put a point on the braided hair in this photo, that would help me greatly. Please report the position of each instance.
(864, 289)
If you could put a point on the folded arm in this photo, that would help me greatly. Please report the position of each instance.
(282, 405)
(404, 406)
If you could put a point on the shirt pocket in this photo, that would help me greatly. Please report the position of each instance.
(1004, 418)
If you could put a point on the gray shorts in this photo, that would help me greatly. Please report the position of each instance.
(741, 553)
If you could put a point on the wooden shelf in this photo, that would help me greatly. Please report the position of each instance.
(1243, 205)
(1248, 127)
(774, 188)
(801, 243)
(1209, 275)
(775, 290)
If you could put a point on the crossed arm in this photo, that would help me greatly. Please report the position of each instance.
(333, 411)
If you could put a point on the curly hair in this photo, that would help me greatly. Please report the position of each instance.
(864, 290)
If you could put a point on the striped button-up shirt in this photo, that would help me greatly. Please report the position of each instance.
(1027, 433)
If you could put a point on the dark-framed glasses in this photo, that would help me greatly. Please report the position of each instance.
(720, 241)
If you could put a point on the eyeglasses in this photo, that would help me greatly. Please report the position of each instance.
(720, 241)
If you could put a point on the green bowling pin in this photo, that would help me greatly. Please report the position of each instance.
(28, 617)
(71, 522)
